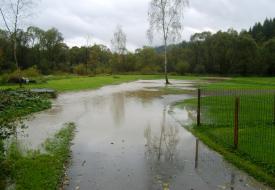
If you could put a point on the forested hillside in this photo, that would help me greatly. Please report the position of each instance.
(250, 52)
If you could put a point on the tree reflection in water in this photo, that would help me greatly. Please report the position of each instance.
(118, 108)
(161, 152)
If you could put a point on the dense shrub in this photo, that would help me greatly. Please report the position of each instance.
(80, 69)
(31, 72)
(182, 67)
(17, 75)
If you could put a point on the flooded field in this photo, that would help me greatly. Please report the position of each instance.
(129, 137)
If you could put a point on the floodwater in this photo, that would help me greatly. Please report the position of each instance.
(129, 137)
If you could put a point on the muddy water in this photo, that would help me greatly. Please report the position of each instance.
(129, 140)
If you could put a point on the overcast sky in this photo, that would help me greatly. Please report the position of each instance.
(98, 18)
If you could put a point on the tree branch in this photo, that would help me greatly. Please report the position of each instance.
(5, 21)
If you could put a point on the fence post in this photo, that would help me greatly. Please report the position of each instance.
(236, 122)
(197, 154)
(274, 109)
(199, 108)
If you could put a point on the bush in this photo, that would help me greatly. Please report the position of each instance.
(182, 67)
(31, 72)
(16, 76)
(102, 70)
(150, 70)
(4, 78)
(200, 69)
(80, 69)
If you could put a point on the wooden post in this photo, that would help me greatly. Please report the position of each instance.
(236, 122)
(197, 154)
(199, 108)
(274, 109)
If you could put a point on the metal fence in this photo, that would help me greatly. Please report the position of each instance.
(243, 120)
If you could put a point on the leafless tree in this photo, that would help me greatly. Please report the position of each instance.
(87, 46)
(119, 41)
(13, 13)
(166, 16)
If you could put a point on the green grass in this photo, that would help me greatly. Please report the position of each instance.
(242, 83)
(73, 83)
(44, 171)
(14, 104)
(256, 130)
(219, 110)
(77, 83)
(235, 158)
(255, 143)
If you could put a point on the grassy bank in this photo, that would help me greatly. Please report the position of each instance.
(36, 170)
(14, 105)
(255, 152)
(235, 158)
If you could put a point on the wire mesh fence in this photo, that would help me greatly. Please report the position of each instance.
(241, 119)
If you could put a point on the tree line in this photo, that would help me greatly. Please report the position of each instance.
(249, 52)
(46, 50)
(246, 53)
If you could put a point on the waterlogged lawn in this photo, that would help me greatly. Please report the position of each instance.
(43, 171)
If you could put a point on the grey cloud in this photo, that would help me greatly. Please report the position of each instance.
(98, 18)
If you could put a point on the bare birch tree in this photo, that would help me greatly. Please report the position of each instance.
(119, 46)
(87, 47)
(119, 41)
(166, 16)
(13, 13)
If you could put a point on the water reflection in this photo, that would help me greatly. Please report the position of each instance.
(162, 153)
(118, 108)
(197, 154)
(233, 176)
(209, 167)
(146, 95)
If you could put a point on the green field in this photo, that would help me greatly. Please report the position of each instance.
(76, 83)
(73, 83)
(256, 129)
(243, 83)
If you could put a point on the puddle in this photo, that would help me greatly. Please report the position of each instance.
(129, 137)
